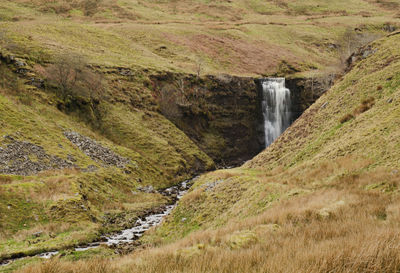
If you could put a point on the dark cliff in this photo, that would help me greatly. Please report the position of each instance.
(220, 113)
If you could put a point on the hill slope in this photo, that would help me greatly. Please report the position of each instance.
(235, 37)
(72, 164)
(323, 198)
(59, 177)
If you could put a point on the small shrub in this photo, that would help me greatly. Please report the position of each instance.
(171, 97)
(71, 77)
(346, 118)
(78, 88)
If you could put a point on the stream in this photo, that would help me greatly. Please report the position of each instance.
(129, 235)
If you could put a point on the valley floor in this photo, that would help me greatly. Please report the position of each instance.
(323, 198)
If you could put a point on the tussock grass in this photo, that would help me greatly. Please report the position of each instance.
(55, 266)
(49, 229)
(53, 189)
(346, 118)
(365, 105)
(340, 228)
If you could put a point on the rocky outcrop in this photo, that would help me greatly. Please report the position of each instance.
(25, 158)
(96, 151)
(305, 91)
(221, 114)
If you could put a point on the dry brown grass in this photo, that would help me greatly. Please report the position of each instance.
(55, 266)
(365, 105)
(114, 206)
(59, 172)
(46, 229)
(349, 225)
(192, 196)
(54, 188)
(4, 179)
(327, 231)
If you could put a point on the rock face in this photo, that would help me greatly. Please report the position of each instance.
(96, 151)
(361, 54)
(221, 114)
(305, 91)
(25, 158)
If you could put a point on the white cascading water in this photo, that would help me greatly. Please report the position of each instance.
(276, 108)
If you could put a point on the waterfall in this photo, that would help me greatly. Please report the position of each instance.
(275, 107)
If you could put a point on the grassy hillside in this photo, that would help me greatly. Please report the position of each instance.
(236, 37)
(323, 198)
(74, 154)
(64, 189)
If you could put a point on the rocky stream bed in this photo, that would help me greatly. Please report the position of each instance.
(126, 240)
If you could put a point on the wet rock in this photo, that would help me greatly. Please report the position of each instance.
(170, 191)
(96, 151)
(237, 125)
(20, 63)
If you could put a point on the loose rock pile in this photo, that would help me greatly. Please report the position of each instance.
(25, 158)
(96, 151)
